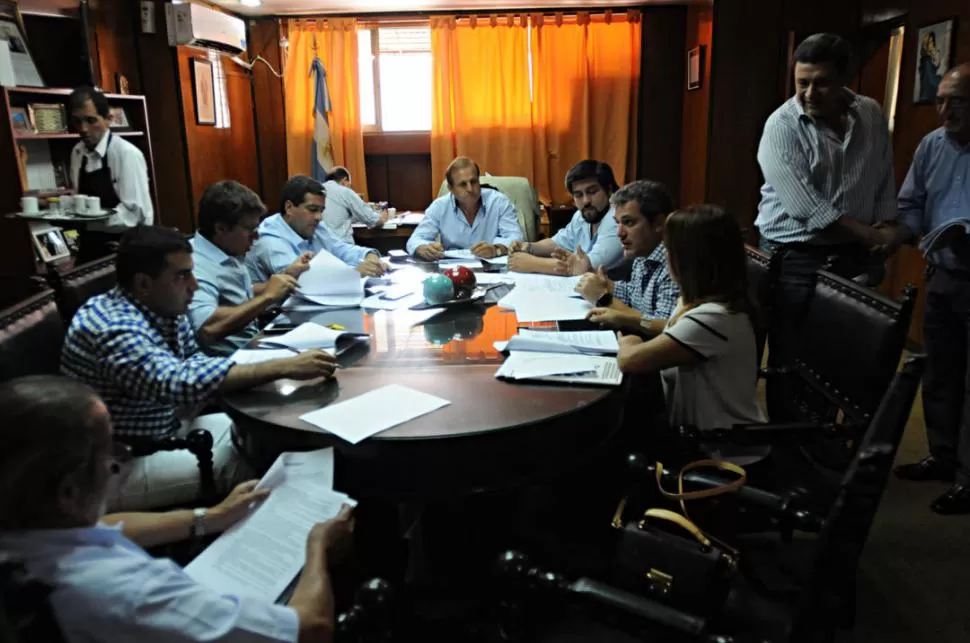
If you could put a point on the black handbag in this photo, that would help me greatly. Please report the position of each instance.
(687, 569)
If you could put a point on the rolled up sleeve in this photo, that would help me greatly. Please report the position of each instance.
(509, 229)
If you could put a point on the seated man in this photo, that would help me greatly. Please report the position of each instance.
(645, 302)
(56, 469)
(135, 346)
(295, 232)
(466, 219)
(589, 241)
(345, 207)
(224, 309)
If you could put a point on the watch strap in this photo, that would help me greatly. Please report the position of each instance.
(605, 300)
(198, 522)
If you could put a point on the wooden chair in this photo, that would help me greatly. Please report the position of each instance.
(31, 336)
(76, 286)
(26, 614)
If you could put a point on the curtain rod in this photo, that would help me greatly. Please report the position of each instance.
(465, 13)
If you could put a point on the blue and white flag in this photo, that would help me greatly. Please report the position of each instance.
(321, 154)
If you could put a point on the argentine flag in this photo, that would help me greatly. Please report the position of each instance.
(321, 154)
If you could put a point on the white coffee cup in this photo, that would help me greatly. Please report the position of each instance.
(29, 205)
(94, 204)
(67, 202)
(80, 204)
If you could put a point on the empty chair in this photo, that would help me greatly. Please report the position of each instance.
(31, 335)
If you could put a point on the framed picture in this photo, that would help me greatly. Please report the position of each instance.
(49, 243)
(203, 92)
(934, 52)
(695, 68)
(119, 118)
(20, 119)
(48, 118)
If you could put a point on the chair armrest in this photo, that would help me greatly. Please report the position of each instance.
(197, 441)
(371, 616)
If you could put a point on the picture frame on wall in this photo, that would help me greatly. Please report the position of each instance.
(934, 55)
(695, 68)
(119, 118)
(203, 91)
(20, 118)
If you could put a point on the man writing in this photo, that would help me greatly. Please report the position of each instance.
(589, 241)
(56, 469)
(345, 207)
(110, 168)
(467, 218)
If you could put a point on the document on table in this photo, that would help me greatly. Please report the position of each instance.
(544, 283)
(410, 218)
(459, 253)
(588, 342)
(261, 555)
(331, 282)
(378, 410)
(498, 261)
(550, 367)
(539, 306)
(310, 335)
(259, 355)
(377, 302)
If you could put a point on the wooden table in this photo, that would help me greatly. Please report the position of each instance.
(383, 239)
(494, 434)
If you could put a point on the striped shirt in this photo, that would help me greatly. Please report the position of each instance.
(813, 177)
(651, 289)
(141, 364)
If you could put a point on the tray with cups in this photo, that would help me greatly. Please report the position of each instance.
(65, 207)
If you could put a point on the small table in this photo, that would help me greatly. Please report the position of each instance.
(384, 239)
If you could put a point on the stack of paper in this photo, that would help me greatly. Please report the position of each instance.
(589, 342)
(552, 367)
(329, 282)
(945, 235)
(410, 218)
(262, 554)
(251, 356)
(310, 335)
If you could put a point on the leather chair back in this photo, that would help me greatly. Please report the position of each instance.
(76, 286)
(31, 336)
(762, 275)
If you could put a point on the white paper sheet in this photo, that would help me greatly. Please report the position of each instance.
(410, 218)
(459, 253)
(309, 335)
(328, 276)
(300, 464)
(588, 342)
(549, 307)
(498, 261)
(378, 410)
(577, 369)
(375, 302)
(945, 235)
(257, 356)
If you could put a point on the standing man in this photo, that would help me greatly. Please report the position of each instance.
(589, 241)
(937, 191)
(826, 157)
(110, 168)
(467, 218)
(345, 207)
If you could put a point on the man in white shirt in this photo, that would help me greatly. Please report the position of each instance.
(110, 168)
(345, 207)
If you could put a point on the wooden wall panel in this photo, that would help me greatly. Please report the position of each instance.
(662, 84)
(399, 169)
(114, 24)
(264, 40)
(697, 104)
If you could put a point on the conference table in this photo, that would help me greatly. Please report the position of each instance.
(493, 435)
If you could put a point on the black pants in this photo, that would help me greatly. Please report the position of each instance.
(792, 297)
(94, 245)
(946, 382)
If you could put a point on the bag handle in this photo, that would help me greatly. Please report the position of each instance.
(721, 465)
(677, 519)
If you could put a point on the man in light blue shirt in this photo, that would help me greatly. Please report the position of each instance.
(937, 191)
(104, 586)
(226, 306)
(467, 218)
(295, 233)
(589, 241)
(345, 207)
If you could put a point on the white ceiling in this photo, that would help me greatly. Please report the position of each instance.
(308, 7)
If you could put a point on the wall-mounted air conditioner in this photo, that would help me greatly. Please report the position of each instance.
(198, 26)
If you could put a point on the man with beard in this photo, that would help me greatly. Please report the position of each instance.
(589, 241)
(935, 193)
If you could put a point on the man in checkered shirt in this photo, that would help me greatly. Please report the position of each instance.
(135, 346)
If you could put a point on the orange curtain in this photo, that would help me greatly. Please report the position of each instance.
(481, 95)
(334, 41)
(585, 105)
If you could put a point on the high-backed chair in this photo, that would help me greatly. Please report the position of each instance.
(762, 276)
(522, 195)
(31, 336)
(76, 286)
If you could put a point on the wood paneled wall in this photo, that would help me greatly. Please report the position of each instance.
(399, 169)
(264, 40)
(697, 103)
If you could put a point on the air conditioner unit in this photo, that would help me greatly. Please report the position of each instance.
(198, 26)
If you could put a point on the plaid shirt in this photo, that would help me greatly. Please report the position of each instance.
(144, 366)
(650, 290)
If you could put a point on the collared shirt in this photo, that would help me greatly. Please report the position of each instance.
(129, 174)
(223, 281)
(495, 222)
(279, 245)
(106, 588)
(344, 208)
(141, 364)
(651, 289)
(604, 247)
(812, 177)
(937, 190)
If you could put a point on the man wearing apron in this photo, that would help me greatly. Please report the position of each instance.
(110, 168)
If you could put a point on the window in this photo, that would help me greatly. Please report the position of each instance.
(395, 78)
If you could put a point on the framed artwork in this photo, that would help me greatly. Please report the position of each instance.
(49, 243)
(934, 54)
(48, 118)
(119, 118)
(21, 120)
(695, 68)
(203, 92)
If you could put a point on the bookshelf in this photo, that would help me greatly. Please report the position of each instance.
(38, 164)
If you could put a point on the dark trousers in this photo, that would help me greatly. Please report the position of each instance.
(946, 382)
(94, 245)
(791, 299)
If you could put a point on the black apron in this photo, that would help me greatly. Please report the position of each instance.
(94, 243)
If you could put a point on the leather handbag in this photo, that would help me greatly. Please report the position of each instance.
(686, 568)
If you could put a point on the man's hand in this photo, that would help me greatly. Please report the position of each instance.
(335, 535)
(280, 286)
(578, 263)
(523, 262)
(310, 364)
(612, 318)
(518, 246)
(887, 238)
(594, 285)
(485, 250)
(298, 267)
(371, 266)
(235, 507)
(430, 251)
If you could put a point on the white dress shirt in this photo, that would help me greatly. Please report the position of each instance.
(343, 209)
(129, 174)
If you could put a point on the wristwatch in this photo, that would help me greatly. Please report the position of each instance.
(605, 300)
(198, 522)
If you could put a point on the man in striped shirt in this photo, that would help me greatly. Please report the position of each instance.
(135, 346)
(826, 156)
